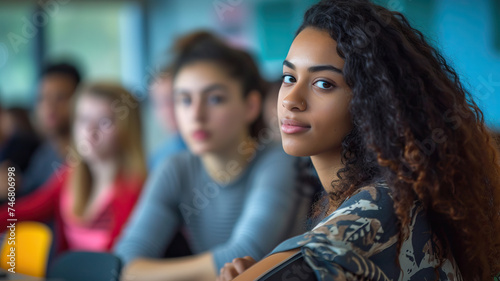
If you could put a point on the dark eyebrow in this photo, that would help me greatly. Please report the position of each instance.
(324, 67)
(214, 87)
(315, 68)
(289, 64)
(206, 90)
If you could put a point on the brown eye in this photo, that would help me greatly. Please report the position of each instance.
(288, 79)
(324, 85)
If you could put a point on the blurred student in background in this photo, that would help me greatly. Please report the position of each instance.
(163, 105)
(269, 111)
(18, 142)
(232, 194)
(92, 196)
(57, 86)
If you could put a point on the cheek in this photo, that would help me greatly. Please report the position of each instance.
(64, 106)
(78, 133)
(182, 118)
(333, 122)
(80, 140)
(228, 119)
(42, 109)
(109, 139)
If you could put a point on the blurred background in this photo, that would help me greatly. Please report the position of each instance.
(128, 41)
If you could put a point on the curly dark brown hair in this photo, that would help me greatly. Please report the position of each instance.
(418, 129)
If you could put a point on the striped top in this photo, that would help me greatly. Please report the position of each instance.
(248, 216)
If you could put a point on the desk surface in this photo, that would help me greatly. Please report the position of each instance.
(5, 276)
(18, 276)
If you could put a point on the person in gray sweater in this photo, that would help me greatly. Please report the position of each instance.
(234, 193)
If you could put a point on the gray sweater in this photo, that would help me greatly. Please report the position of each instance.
(246, 217)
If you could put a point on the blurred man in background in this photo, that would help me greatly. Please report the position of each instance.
(57, 84)
(18, 142)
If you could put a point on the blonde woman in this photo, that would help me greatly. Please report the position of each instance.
(92, 195)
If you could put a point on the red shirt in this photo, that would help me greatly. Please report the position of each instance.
(51, 201)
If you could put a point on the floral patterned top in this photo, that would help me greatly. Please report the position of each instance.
(358, 241)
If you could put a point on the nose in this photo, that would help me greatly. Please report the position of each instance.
(293, 100)
(91, 127)
(89, 131)
(199, 110)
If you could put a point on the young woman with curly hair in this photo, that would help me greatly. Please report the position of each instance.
(400, 146)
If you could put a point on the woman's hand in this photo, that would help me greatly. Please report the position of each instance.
(235, 268)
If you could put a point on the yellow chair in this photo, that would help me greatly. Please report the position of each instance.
(32, 248)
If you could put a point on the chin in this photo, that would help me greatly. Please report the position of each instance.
(89, 157)
(295, 147)
(296, 150)
(200, 149)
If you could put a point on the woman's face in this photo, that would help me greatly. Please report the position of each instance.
(212, 114)
(313, 102)
(94, 130)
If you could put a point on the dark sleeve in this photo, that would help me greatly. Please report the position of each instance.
(19, 149)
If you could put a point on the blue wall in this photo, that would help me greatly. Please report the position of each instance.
(467, 32)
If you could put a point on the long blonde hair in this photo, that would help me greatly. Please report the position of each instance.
(126, 109)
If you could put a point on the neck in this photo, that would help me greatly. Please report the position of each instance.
(327, 165)
(227, 165)
(103, 172)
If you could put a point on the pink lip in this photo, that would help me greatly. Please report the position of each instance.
(201, 135)
(289, 126)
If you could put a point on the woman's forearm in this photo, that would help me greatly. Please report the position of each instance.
(193, 268)
(263, 266)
